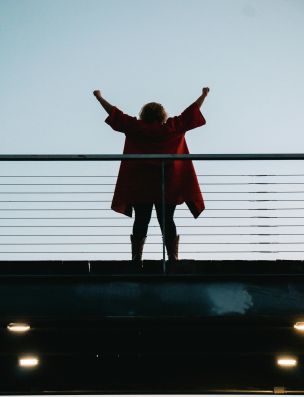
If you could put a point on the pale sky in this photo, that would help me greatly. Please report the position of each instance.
(54, 53)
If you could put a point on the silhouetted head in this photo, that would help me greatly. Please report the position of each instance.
(153, 112)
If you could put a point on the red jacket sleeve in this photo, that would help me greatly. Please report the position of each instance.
(189, 119)
(121, 122)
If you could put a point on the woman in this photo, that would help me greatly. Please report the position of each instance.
(138, 184)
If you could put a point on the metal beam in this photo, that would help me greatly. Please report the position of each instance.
(115, 157)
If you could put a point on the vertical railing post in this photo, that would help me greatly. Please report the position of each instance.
(163, 213)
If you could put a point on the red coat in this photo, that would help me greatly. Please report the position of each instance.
(139, 181)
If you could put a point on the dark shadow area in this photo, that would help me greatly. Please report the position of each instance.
(109, 327)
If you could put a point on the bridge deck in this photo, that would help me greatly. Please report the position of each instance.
(213, 326)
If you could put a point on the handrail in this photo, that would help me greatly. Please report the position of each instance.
(259, 197)
(110, 157)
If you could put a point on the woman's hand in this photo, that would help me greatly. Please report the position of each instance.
(97, 94)
(205, 91)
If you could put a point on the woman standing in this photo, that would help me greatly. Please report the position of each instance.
(138, 184)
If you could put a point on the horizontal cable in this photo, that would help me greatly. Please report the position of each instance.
(250, 183)
(55, 192)
(58, 176)
(167, 158)
(74, 235)
(69, 184)
(195, 243)
(115, 176)
(109, 201)
(252, 192)
(211, 217)
(251, 175)
(252, 200)
(238, 234)
(60, 201)
(239, 209)
(177, 209)
(153, 217)
(219, 192)
(253, 251)
(151, 234)
(150, 252)
(150, 226)
(55, 209)
(79, 217)
(114, 184)
(101, 243)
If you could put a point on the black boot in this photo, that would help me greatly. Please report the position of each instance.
(172, 248)
(137, 249)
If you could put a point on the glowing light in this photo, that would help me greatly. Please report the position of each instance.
(18, 327)
(28, 361)
(287, 362)
(299, 326)
(279, 390)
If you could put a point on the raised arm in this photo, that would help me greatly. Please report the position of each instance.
(105, 104)
(201, 98)
(116, 118)
(191, 117)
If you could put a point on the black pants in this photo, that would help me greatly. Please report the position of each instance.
(143, 213)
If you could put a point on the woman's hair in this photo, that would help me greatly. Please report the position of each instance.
(153, 112)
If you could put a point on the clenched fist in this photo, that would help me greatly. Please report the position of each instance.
(97, 94)
(206, 91)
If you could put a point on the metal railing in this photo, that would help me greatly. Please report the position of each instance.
(254, 208)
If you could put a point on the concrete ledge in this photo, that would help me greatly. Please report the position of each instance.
(190, 267)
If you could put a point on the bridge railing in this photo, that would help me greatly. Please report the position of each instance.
(57, 207)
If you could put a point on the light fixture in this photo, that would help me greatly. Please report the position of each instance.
(29, 361)
(279, 390)
(299, 326)
(287, 362)
(18, 327)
